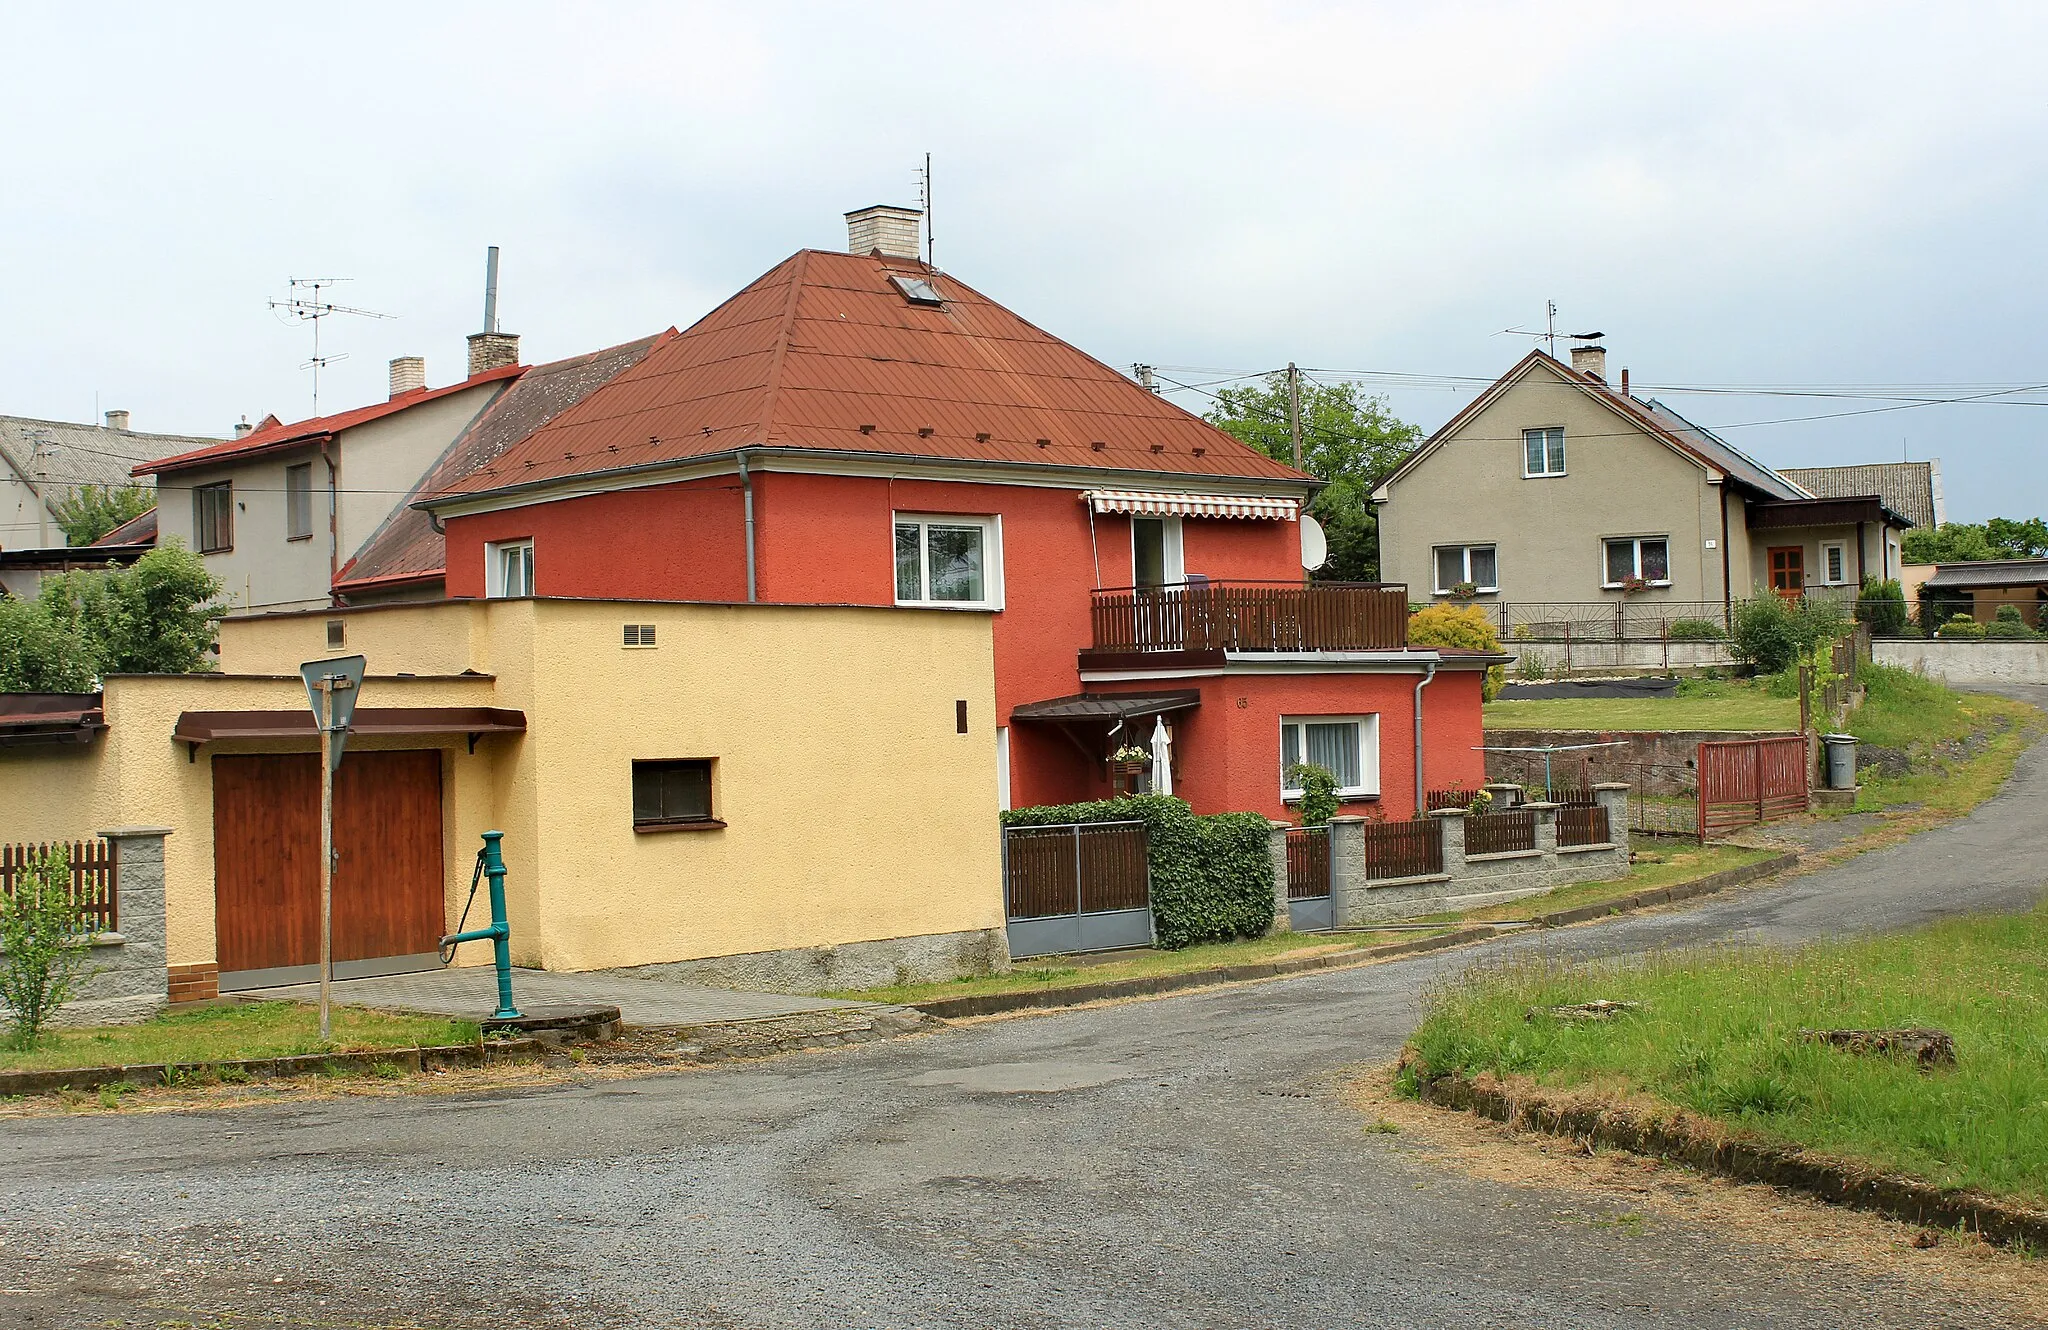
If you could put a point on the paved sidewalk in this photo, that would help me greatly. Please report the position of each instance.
(472, 991)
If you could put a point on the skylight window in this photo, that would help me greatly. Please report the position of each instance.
(917, 290)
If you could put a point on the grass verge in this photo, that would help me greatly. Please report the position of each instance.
(1699, 704)
(228, 1034)
(1678, 861)
(1141, 964)
(1716, 1033)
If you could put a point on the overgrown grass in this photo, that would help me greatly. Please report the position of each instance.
(1961, 746)
(1054, 974)
(1716, 1034)
(247, 1030)
(1699, 704)
(1901, 709)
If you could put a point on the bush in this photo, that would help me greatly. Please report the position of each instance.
(2009, 629)
(1882, 605)
(1696, 630)
(1459, 626)
(1212, 876)
(1960, 627)
(1772, 634)
(2008, 614)
(1318, 786)
(45, 942)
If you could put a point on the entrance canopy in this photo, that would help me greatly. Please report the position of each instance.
(1109, 707)
(199, 727)
(1143, 503)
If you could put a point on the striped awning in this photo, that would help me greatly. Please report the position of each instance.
(1146, 503)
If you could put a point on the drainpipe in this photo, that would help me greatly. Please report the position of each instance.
(1421, 794)
(747, 486)
(1727, 591)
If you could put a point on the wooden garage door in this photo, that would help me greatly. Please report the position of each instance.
(388, 880)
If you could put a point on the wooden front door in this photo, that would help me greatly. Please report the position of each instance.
(1788, 570)
(388, 882)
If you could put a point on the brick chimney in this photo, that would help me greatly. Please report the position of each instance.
(117, 420)
(408, 374)
(491, 350)
(890, 231)
(1591, 360)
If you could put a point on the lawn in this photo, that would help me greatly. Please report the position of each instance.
(1716, 1034)
(1699, 704)
(224, 1034)
(1138, 964)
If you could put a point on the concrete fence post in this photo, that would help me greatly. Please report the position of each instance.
(1613, 796)
(132, 979)
(1347, 868)
(1546, 830)
(1278, 848)
(1453, 822)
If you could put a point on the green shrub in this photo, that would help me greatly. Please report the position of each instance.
(2008, 614)
(45, 943)
(1882, 605)
(1771, 634)
(1460, 626)
(1318, 786)
(1960, 627)
(1212, 876)
(1696, 630)
(2002, 627)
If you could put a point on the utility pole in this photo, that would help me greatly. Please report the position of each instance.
(1294, 410)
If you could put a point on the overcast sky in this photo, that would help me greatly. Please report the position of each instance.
(1795, 196)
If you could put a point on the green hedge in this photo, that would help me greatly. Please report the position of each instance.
(1212, 875)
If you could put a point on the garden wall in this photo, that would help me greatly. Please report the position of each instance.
(1966, 662)
(1660, 764)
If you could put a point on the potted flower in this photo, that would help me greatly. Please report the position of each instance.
(1631, 585)
(1464, 590)
(1130, 760)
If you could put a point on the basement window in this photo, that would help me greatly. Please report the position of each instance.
(673, 795)
(639, 635)
(917, 290)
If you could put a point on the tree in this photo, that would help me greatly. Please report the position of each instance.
(1347, 438)
(91, 511)
(1460, 626)
(161, 616)
(1974, 542)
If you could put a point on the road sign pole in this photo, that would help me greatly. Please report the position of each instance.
(326, 687)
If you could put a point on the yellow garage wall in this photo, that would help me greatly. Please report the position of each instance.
(135, 774)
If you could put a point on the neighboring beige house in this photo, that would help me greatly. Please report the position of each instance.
(278, 510)
(1990, 584)
(1556, 490)
(1910, 489)
(43, 462)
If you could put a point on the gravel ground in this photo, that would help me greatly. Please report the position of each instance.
(1187, 1162)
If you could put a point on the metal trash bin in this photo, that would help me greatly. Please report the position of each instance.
(1841, 760)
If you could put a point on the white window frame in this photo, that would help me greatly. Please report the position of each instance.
(1173, 561)
(1562, 458)
(1841, 549)
(1368, 729)
(294, 498)
(495, 587)
(1465, 554)
(1636, 555)
(992, 558)
(1003, 767)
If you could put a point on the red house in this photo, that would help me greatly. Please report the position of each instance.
(861, 428)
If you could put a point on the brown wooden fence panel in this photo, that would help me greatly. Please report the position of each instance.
(1113, 868)
(1308, 863)
(1500, 833)
(95, 884)
(1238, 616)
(1090, 868)
(1404, 849)
(1582, 824)
(1746, 781)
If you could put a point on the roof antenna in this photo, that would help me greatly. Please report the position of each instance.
(304, 305)
(924, 202)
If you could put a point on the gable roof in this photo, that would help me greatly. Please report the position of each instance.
(826, 352)
(274, 436)
(1653, 418)
(137, 530)
(1990, 573)
(405, 547)
(1911, 489)
(75, 454)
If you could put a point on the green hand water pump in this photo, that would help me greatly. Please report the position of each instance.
(490, 864)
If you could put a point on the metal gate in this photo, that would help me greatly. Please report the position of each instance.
(1308, 879)
(1078, 886)
(1745, 781)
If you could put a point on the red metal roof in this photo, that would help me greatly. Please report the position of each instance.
(823, 351)
(271, 435)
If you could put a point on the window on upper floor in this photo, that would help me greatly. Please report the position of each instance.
(298, 501)
(1629, 558)
(508, 569)
(213, 517)
(1474, 566)
(949, 562)
(1543, 451)
(1346, 746)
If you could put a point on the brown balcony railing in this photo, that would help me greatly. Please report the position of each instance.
(1252, 616)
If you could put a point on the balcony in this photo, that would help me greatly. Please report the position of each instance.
(1251, 616)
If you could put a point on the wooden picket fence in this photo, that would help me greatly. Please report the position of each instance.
(95, 876)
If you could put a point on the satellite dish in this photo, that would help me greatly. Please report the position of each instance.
(1315, 548)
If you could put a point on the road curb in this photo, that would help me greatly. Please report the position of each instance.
(437, 1058)
(1677, 891)
(1697, 1144)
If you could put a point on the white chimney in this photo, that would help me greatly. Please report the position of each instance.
(890, 231)
(1591, 360)
(492, 350)
(243, 429)
(117, 420)
(408, 374)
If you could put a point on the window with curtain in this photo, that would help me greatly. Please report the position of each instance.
(951, 561)
(1647, 557)
(1543, 451)
(1346, 746)
(1477, 564)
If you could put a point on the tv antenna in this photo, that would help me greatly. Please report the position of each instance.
(1549, 333)
(304, 305)
(924, 203)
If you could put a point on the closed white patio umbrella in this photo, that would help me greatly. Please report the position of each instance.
(1162, 757)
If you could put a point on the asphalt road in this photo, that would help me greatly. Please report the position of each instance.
(1176, 1163)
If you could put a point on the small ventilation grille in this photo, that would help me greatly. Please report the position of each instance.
(639, 634)
(337, 633)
